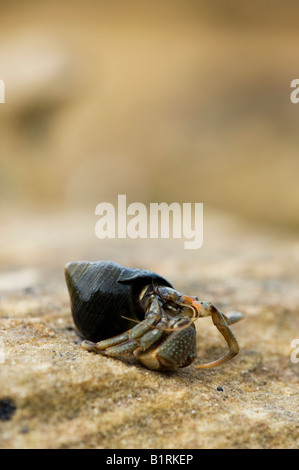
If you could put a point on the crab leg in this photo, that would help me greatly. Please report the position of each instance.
(221, 322)
(142, 343)
(142, 335)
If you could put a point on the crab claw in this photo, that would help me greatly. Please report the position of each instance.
(193, 301)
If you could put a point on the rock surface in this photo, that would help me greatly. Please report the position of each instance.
(55, 395)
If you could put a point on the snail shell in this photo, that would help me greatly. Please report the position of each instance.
(102, 292)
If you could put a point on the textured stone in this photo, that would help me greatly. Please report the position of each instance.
(64, 397)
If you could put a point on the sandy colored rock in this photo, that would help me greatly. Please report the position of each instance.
(159, 101)
(55, 395)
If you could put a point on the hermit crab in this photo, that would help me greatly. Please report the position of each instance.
(118, 310)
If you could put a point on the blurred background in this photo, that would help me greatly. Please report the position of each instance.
(185, 101)
(163, 101)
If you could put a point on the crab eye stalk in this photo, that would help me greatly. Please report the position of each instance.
(168, 294)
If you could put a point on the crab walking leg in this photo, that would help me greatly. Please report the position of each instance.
(143, 342)
(221, 322)
(126, 342)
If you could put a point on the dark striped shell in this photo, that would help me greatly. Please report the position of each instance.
(101, 292)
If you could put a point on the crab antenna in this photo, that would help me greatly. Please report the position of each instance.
(131, 319)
